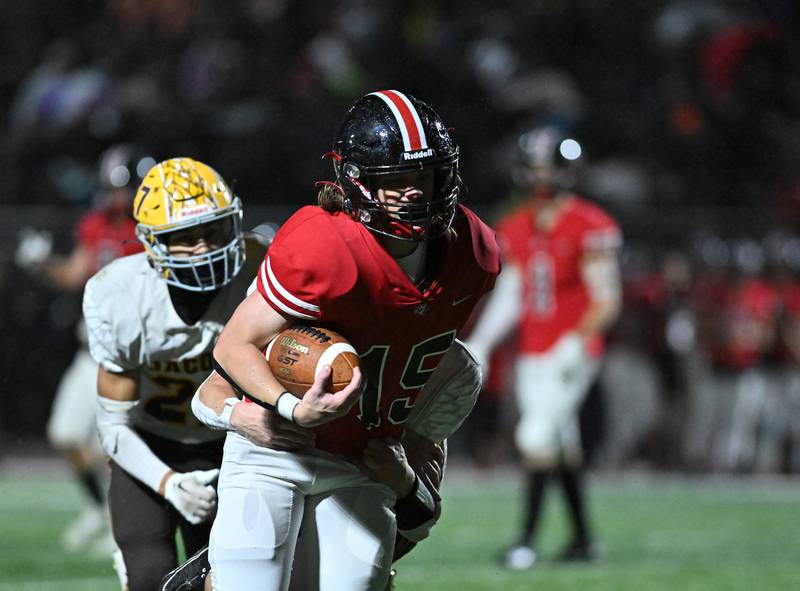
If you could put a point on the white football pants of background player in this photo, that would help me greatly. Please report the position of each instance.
(550, 389)
(268, 497)
(549, 386)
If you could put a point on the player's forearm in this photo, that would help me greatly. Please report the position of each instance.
(214, 402)
(62, 276)
(212, 393)
(601, 276)
(448, 396)
(598, 318)
(402, 482)
(69, 273)
(124, 446)
(118, 396)
(238, 355)
(246, 366)
(501, 312)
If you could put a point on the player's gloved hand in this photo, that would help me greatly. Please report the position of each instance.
(426, 458)
(385, 460)
(570, 353)
(33, 249)
(192, 495)
(268, 429)
(320, 406)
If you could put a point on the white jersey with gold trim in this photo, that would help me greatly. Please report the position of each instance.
(133, 326)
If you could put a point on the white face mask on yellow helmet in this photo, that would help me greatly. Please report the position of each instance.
(179, 194)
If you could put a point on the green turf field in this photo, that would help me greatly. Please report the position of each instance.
(656, 534)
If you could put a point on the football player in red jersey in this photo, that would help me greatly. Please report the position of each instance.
(103, 234)
(560, 288)
(392, 261)
(746, 392)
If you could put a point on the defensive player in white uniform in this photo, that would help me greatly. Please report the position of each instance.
(152, 320)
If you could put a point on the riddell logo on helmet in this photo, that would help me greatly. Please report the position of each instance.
(418, 154)
(193, 211)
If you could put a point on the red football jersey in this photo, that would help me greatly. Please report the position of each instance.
(327, 269)
(107, 239)
(748, 318)
(554, 294)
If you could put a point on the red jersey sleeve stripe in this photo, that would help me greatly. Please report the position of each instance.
(271, 291)
(407, 119)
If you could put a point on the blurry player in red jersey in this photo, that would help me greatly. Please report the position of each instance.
(746, 385)
(560, 288)
(103, 234)
(395, 263)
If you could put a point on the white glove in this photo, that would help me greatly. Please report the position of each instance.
(192, 495)
(33, 249)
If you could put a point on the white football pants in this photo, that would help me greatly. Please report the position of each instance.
(549, 397)
(72, 417)
(275, 505)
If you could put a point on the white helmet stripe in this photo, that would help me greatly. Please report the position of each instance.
(407, 119)
(423, 140)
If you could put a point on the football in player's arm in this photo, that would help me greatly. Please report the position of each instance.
(152, 319)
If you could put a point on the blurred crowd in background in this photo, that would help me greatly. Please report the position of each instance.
(689, 112)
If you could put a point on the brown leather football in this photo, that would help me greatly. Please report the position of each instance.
(298, 352)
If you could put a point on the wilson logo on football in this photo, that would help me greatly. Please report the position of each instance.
(418, 154)
(290, 343)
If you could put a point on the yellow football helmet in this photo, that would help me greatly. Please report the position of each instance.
(182, 193)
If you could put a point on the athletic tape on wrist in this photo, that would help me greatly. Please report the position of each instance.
(285, 405)
(225, 417)
(209, 417)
